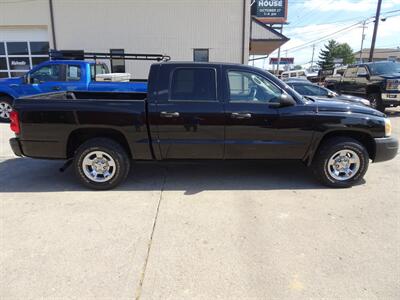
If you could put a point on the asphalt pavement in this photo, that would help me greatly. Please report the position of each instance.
(198, 231)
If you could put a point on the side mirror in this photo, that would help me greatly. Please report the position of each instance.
(283, 101)
(331, 94)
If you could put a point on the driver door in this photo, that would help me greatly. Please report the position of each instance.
(49, 78)
(251, 130)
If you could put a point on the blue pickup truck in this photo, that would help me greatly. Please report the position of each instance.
(60, 75)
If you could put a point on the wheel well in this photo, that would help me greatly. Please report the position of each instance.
(79, 136)
(365, 139)
(373, 89)
(6, 95)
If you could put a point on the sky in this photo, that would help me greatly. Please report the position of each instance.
(312, 20)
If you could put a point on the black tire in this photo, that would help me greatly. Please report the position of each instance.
(5, 101)
(320, 165)
(376, 101)
(113, 150)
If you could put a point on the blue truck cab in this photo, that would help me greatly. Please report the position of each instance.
(61, 75)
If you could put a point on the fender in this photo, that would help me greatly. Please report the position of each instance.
(5, 90)
(362, 136)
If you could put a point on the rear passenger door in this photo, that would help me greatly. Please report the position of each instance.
(189, 115)
(348, 84)
(361, 81)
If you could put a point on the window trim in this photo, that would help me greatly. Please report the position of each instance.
(191, 68)
(248, 71)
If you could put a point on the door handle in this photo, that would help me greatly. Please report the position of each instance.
(240, 116)
(56, 88)
(165, 114)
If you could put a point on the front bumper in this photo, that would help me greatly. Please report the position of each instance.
(391, 98)
(16, 146)
(385, 148)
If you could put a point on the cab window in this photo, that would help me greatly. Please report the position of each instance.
(100, 69)
(73, 73)
(362, 71)
(310, 90)
(350, 72)
(46, 74)
(194, 84)
(250, 87)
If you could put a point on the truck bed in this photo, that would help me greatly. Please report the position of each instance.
(51, 122)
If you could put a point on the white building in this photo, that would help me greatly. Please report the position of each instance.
(186, 30)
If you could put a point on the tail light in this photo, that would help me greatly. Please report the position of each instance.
(14, 125)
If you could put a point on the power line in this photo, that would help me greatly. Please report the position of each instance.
(289, 26)
(324, 37)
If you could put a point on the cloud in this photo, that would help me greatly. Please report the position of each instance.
(347, 5)
(388, 37)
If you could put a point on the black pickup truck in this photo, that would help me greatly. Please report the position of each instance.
(379, 82)
(201, 111)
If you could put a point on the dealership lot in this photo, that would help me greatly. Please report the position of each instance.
(183, 230)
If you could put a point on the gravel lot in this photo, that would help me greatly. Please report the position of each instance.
(206, 231)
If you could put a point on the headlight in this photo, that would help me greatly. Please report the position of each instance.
(388, 127)
(393, 84)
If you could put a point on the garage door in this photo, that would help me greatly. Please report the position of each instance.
(22, 49)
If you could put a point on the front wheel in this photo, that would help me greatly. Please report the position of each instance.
(101, 164)
(5, 108)
(340, 162)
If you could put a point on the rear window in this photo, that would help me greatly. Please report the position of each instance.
(73, 73)
(194, 84)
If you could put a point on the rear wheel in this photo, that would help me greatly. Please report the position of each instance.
(5, 108)
(101, 164)
(340, 162)
(376, 101)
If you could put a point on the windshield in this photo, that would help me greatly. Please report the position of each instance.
(310, 90)
(384, 68)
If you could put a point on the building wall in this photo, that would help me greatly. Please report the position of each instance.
(172, 27)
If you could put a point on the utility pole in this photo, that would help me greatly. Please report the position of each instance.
(312, 57)
(362, 39)
(378, 12)
(279, 54)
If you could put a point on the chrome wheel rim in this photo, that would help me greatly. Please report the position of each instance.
(99, 166)
(5, 109)
(344, 165)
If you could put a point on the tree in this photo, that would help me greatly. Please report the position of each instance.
(333, 50)
(345, 52)
(297, 67)
(326, 55)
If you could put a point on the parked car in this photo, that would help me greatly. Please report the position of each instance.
(307, 88)
(60, 75)
(379, 82)
(201, 111)
(294, 74)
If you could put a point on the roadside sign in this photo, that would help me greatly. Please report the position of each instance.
(270, 11)
(283, 61)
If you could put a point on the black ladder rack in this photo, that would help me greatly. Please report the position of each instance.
(81, 55)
